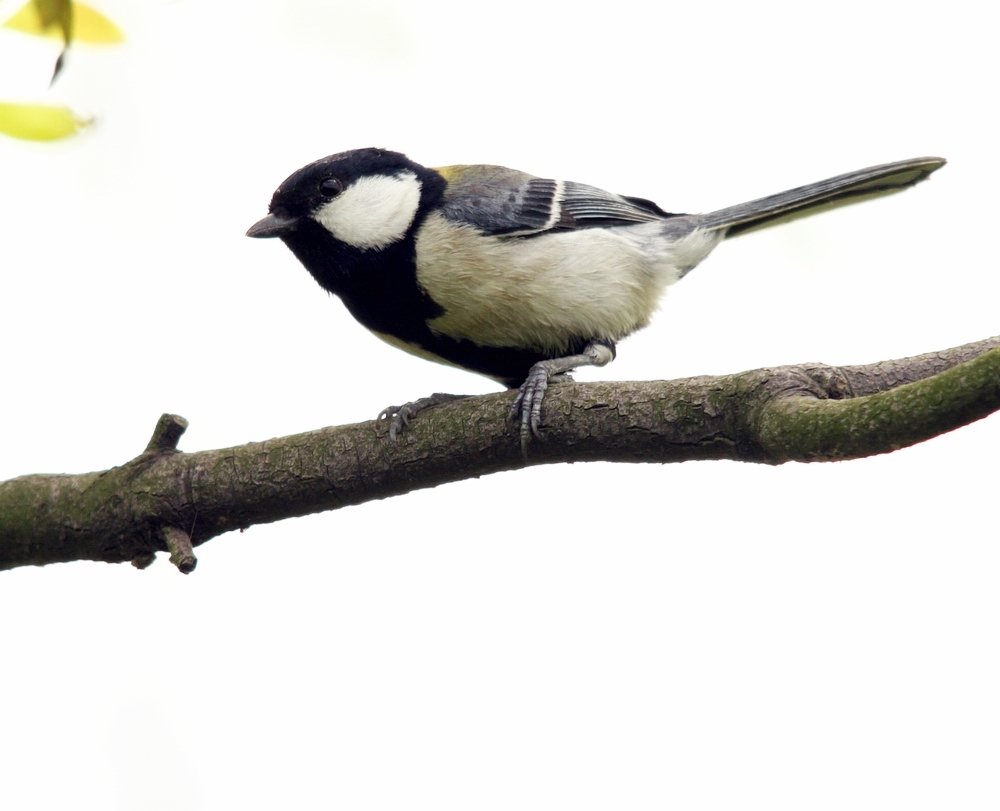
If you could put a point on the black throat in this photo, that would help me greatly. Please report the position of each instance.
(378, 286)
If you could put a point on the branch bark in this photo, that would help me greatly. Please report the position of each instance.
(165, 499)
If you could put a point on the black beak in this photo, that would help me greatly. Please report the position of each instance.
(273, 225)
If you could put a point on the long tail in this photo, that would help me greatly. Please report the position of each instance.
(876, 181)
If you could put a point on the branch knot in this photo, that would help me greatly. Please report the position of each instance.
(168, 432)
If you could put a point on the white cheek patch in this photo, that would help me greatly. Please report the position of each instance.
(373, 212)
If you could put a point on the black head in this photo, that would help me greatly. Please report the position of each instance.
(367, 199)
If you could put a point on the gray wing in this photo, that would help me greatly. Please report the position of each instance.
(505, 202)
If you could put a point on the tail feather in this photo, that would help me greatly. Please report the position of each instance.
(876, 181)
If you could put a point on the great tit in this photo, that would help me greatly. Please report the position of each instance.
(514, 277)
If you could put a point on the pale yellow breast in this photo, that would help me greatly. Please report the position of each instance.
(542, 292)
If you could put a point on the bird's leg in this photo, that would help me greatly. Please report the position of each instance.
(527, 406)
(399, 416)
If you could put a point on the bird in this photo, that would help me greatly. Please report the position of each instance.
(518, 278)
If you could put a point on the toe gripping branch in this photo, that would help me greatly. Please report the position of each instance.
(399, 417)
(526, 410)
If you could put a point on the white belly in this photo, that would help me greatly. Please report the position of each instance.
(544, 291)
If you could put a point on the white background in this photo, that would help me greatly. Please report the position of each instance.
(697, 636)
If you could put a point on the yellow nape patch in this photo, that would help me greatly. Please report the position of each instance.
(451, 173)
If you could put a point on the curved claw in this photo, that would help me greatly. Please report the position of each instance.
(387, 413)
(527, 406)
(526, 410)
(399, 417)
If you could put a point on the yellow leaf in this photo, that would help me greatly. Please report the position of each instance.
(91, 26)
(38, 122)
(44, 18)
(88, 25)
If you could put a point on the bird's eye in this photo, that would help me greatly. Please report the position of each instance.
(331, 187)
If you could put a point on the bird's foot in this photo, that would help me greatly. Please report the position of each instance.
(526, 410)
(398, 417)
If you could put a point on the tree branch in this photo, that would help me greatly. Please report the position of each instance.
(168, 500)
